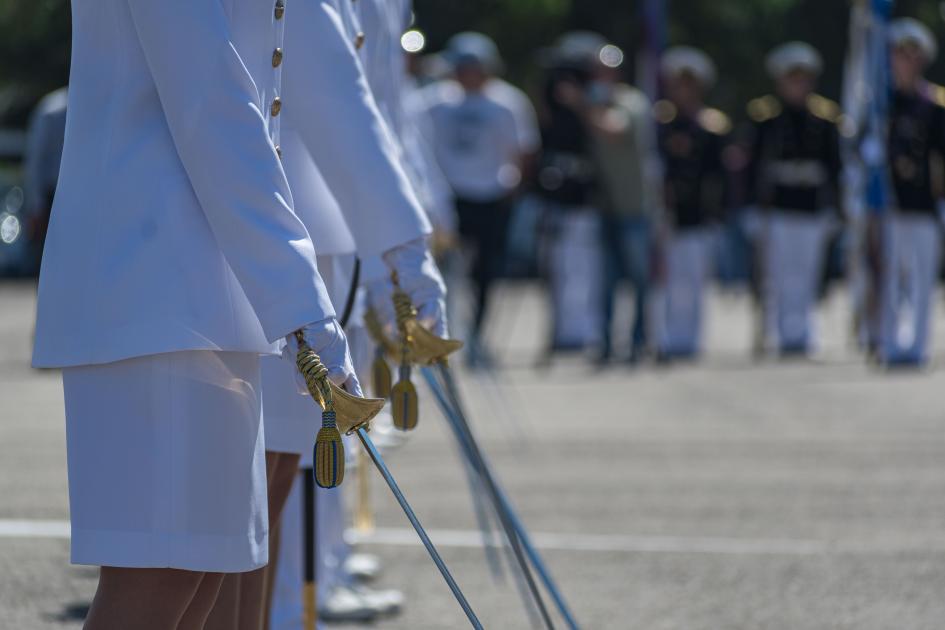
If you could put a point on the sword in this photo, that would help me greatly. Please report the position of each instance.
(343, 411)
(421, 532)
(477, 461)
(448, 398)
(381, 376)
(421, 347)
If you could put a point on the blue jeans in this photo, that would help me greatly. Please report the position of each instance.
(627, 247)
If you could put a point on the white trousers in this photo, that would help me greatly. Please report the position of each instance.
(166, 462)
(911, 256)
(688, 265)
(575, 271)
(794, 260)
(331, 553)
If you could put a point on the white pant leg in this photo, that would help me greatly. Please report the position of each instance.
(889, 315)
(687, 269)
(576, 269)
(771, 243)
(331, 554)
(333, 551)
(927, 239)
(797, 255)
(287, 605)
(912, 251)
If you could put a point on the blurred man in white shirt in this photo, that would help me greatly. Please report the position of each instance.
(481, 140)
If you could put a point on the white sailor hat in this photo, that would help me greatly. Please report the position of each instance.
(688, 60)
(793, 56)
(474, 47)
(582, 48)
(911, 31)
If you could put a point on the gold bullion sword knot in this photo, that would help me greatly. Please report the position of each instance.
(341, 412)
(418, 346)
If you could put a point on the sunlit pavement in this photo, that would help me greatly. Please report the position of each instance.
(723, 495)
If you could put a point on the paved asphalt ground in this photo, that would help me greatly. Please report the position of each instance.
(725, 495)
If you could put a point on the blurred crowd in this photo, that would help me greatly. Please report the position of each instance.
(589, 182)
(593, 181)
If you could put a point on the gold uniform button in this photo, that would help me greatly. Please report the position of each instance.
(359, 41)
(280, 9)
(277, 57)
(276, 106)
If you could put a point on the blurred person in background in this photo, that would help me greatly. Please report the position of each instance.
(911, 240)
(691, 140)
(579, 94)
(500, 90)
(44, 140)
(482, 152)
(793, 180)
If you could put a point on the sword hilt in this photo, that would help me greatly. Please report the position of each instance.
(314, 372)
(329, 450)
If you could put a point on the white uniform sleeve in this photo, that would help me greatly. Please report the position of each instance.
(212, 109)
(340, 124)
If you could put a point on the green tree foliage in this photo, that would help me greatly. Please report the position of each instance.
(34, 53)
(736, 33)
(35, 37)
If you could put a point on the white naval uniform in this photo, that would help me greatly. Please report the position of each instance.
(343, 163)
(173, 260)
(912, 255)
(397, 96)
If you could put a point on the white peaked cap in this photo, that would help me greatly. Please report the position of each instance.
(912, 31)
(793, 56)
(580, 45)
(474, 46)
(686, 59)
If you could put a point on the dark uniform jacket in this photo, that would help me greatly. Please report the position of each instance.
(691, 151)
(795, 159)
(917, 148)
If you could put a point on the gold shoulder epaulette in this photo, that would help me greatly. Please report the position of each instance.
(936, 94)
(664, 111)
(824, 108)
(715, 121)
(763, 108)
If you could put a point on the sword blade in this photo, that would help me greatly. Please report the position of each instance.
(421, 532)
(460, 417)
(483, 519)
(469, 445)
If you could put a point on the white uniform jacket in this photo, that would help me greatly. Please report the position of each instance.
(173, 226)
(353, 147)
(384, 22)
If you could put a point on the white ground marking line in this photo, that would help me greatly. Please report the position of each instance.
(472, 539)
(34, 529)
